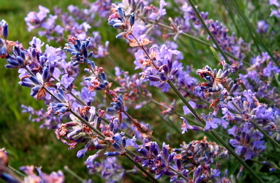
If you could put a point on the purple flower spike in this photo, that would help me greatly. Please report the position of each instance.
(143, 151)
(57, 177)
(34, 19)
(171, 157)
(165, 149)
(81, 153)
(262, 26)
(185, 126)
(132, 19)
(121, 13)
(17, 60)
(116, 153)
(3, 49)
(5, 31)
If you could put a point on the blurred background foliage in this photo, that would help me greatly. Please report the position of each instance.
(27, 144)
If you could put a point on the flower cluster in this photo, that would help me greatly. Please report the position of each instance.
(275, 12)
(7, 175)
(218, 86)
(93, 110)
(41, 177)
(229, 43)
(196, 157)
(243, 110)
(70, 25)
(259, 77)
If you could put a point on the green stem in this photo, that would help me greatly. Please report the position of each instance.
(95, 130)
(179, 173)
(171, 124)
(264, 133)
(199, 98)
(252, 30)
(208, 31)
(141, 168)
(214, 133)
(79, 100)
(136, 122)
(98, 132)
(271, 164)
(73, 174)
(16, 171)
(186, 102)
(191, 37)
(258, 127)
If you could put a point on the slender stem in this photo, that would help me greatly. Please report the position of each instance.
(208, 31)
(252, 31)
(179, 173)
(96, 130)
(191, 37)
(158, 103)
(259, 128)
(172, 125)
(197, 97)
(186, 102)
(135, 122)
(73, 174)
(271, 164)
(214, 133)
(141, 168)
(77, 98)
(100, 134)
(16, 171)
(264, 133)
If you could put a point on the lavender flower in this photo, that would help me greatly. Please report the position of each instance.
(218, 86)
(109, 169)
(156, 160)
(230, 44)
(259, 77)
(242, 110)
(3, 48)
(117, 105)
(32, 176)
(118, 20)
(35, 20)
(5, 173)
(160, 12)
(275, 12)
(185, 126)
(106, 127)
(213, 123)
(201, 152)
(4, 31)
(161, 66)
(132, 88)
(262, 26)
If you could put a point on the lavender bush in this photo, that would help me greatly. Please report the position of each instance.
(221, 123)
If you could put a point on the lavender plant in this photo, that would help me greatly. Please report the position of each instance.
(231, 116)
